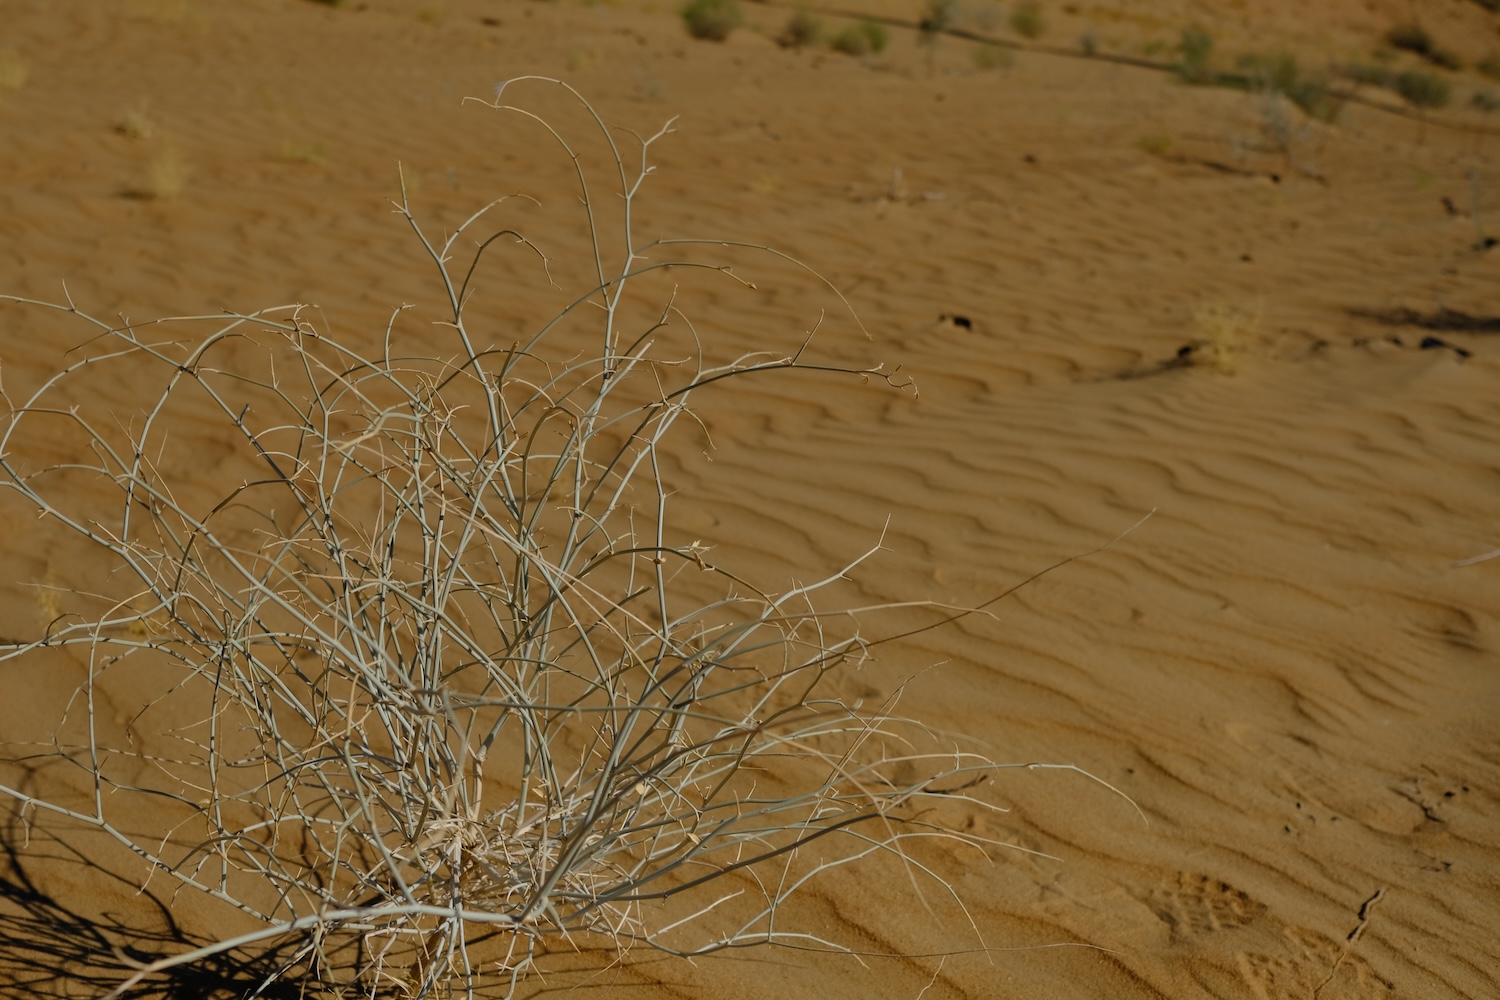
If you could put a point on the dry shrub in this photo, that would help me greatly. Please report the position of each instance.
(433, 665)
(1423, 90)
(1027, 20)
(801, 29)
(861, 39)
(714, 20)
(1197, 47)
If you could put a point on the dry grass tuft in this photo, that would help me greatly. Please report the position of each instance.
(1230, 335)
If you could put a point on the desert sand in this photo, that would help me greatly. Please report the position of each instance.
(1116, 295)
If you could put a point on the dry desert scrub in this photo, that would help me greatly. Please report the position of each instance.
(433, 684)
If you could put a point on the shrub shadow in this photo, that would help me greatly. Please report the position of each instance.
(49, 949)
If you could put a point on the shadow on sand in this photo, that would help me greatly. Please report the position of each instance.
(48, 948)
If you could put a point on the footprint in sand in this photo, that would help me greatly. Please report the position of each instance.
(1297, 964)
(1311, 966)
(1197, 904)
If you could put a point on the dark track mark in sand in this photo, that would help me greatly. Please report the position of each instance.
(1187, 356)
(1437, 344)
(1227, 168)
(1233, 170)
(1441, 319)
(1432, 803)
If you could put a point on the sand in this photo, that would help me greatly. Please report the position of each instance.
(1117, 297)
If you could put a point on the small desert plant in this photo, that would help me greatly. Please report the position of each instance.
(1423, 90)
(1317, 97)
(1156, 144)
(1027, 19)
(1088, 43)
(1280, 74)
(1229, 335)
(1279, 85)
(433, 665)
(714, 20)
(1197, 47)
(802, 28)
(861, 39)
(1283, 130)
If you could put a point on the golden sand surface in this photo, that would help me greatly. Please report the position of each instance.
(1116, 294)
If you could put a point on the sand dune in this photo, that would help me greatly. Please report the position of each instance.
(1115, 298)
